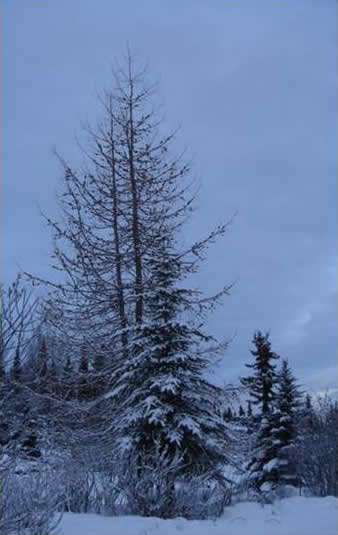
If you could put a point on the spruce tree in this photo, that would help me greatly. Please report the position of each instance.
(41, 379)
(84, 388)
(262, 390)
(16, 370)
(263, 467)
(307, 415)
(164, 396)
(262, 382)
(229, 414)
(67, 388)
(100, 372)
(53, 379)
(284, 432)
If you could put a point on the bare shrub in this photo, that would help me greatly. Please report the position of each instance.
(148, 482)
(29, 498)
(202, 498)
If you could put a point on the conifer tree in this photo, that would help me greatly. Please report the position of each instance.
(41, 379)
(262, 382)
(264, 466)
(84, 389)
(163, 394)
(16, 371)
(53, 379)
(100, 379)
(308, 402)
(262, 389)
(229, 414)
(307, 415)
(284, 432)
(67, 380)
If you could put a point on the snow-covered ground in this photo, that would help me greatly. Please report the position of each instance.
(291, 516)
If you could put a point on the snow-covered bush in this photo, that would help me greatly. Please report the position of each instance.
(315, 453)
(78, 488)
(200, 498)
(29, 498)
(148, 481)
(153, 485)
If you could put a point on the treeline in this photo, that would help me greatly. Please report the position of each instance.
(292, 436)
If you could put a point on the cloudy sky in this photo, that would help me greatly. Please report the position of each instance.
(252, 84)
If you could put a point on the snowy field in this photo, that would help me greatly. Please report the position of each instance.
(291, 516)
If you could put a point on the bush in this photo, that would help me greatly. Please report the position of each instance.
(29, 498)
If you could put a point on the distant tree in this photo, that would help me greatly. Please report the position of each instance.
(84, 388)
(16, 370)
(308, 402)
(53, 378)
(241, 412)
(229, 414)
(17, 325)
(272, 462)
(306, 414)
(261, 384)
(2, 370)
(249, 409)
(284, 432)
(101, 372)
(315, 453)
(43, 359)
(36, 366)
(67, 380)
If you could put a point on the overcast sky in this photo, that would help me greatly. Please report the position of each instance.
(253, 85)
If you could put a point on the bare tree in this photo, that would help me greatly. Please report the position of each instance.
(17, 320)
(130, 192)
(113, 210)
(315, 452)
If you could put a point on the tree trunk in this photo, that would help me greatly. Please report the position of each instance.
(118, 261)
(135, 211)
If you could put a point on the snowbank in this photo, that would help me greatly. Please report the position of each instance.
(291, 516)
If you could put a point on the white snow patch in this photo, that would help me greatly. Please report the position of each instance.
(268, 467)
(291, 516)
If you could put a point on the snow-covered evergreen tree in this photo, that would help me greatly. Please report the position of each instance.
(285, 424)
(262, 382)
(273, 457)
(262, 467)
(162, 395)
